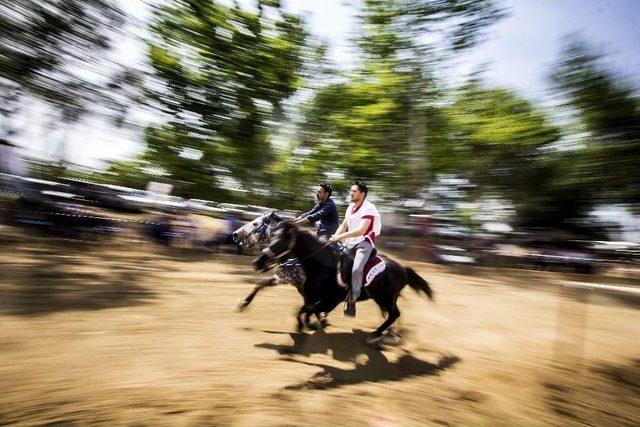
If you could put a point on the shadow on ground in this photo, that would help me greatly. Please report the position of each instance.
(370, 364)
(53, 282)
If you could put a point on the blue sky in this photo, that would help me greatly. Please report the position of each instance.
(521, 48)
(519, 52)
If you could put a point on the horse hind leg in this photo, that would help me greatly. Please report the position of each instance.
(243, 304)
(393, 314)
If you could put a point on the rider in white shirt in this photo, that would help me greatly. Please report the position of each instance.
(362, 221)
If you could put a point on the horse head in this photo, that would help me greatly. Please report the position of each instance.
(258, 231)
(282, 242)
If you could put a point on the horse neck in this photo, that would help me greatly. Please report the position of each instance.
(307, 249)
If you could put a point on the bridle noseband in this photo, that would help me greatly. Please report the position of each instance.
(272, 255)
(264, 236)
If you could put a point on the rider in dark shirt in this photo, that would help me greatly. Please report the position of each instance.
(324, 211)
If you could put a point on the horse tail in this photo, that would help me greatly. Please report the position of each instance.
(417, 283)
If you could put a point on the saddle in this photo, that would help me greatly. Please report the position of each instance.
(374, 266)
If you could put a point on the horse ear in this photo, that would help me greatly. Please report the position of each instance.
(273, 214)
(281, 225)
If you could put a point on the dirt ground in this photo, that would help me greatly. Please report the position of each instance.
(116, 334)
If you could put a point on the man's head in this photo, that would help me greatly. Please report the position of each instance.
(323, 192)
(358, 191)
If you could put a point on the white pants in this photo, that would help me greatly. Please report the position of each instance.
(362, 252)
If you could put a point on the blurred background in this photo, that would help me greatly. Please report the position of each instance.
(494, 133)
(485, 122)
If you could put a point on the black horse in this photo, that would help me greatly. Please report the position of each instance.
(321, 289)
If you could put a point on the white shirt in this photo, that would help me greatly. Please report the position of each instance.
(355, 216)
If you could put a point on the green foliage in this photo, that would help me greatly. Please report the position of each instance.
(376, 124)
(46, 49)
(128, 173)
(609, 110)
(491, 133)
(221, 76)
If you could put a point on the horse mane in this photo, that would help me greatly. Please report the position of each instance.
(314, 245)
(302, 232)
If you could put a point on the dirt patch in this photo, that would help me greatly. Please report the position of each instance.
(122, 335)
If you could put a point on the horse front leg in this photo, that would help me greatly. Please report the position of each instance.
(307, 318)
(322, 319)
(300, 324)
(318, 309)
(320, 323)
(243, 304)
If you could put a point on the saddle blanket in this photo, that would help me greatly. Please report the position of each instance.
(372, 269)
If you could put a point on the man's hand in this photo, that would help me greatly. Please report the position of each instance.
(334, 239)
(299, 221)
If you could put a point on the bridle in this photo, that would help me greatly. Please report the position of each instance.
(264, 234)
(272, 255)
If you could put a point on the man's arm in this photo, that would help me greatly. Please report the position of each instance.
(355, 233)
(320, 213)
(342, 227)
(302, 219)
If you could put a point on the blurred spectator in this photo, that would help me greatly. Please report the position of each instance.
(162, 229)
(10, 160)
(425, 229)
(12, 164)
(185, 228)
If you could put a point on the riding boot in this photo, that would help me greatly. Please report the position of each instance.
(350, 306)
(350, 310)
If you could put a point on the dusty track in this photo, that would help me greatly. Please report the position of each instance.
(119, 335)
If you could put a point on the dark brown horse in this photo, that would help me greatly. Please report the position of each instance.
(321, 290)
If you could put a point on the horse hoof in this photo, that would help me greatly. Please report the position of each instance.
(392, 340)
(313, 326)
(374, 340)
(316, 326)
(241, 306)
